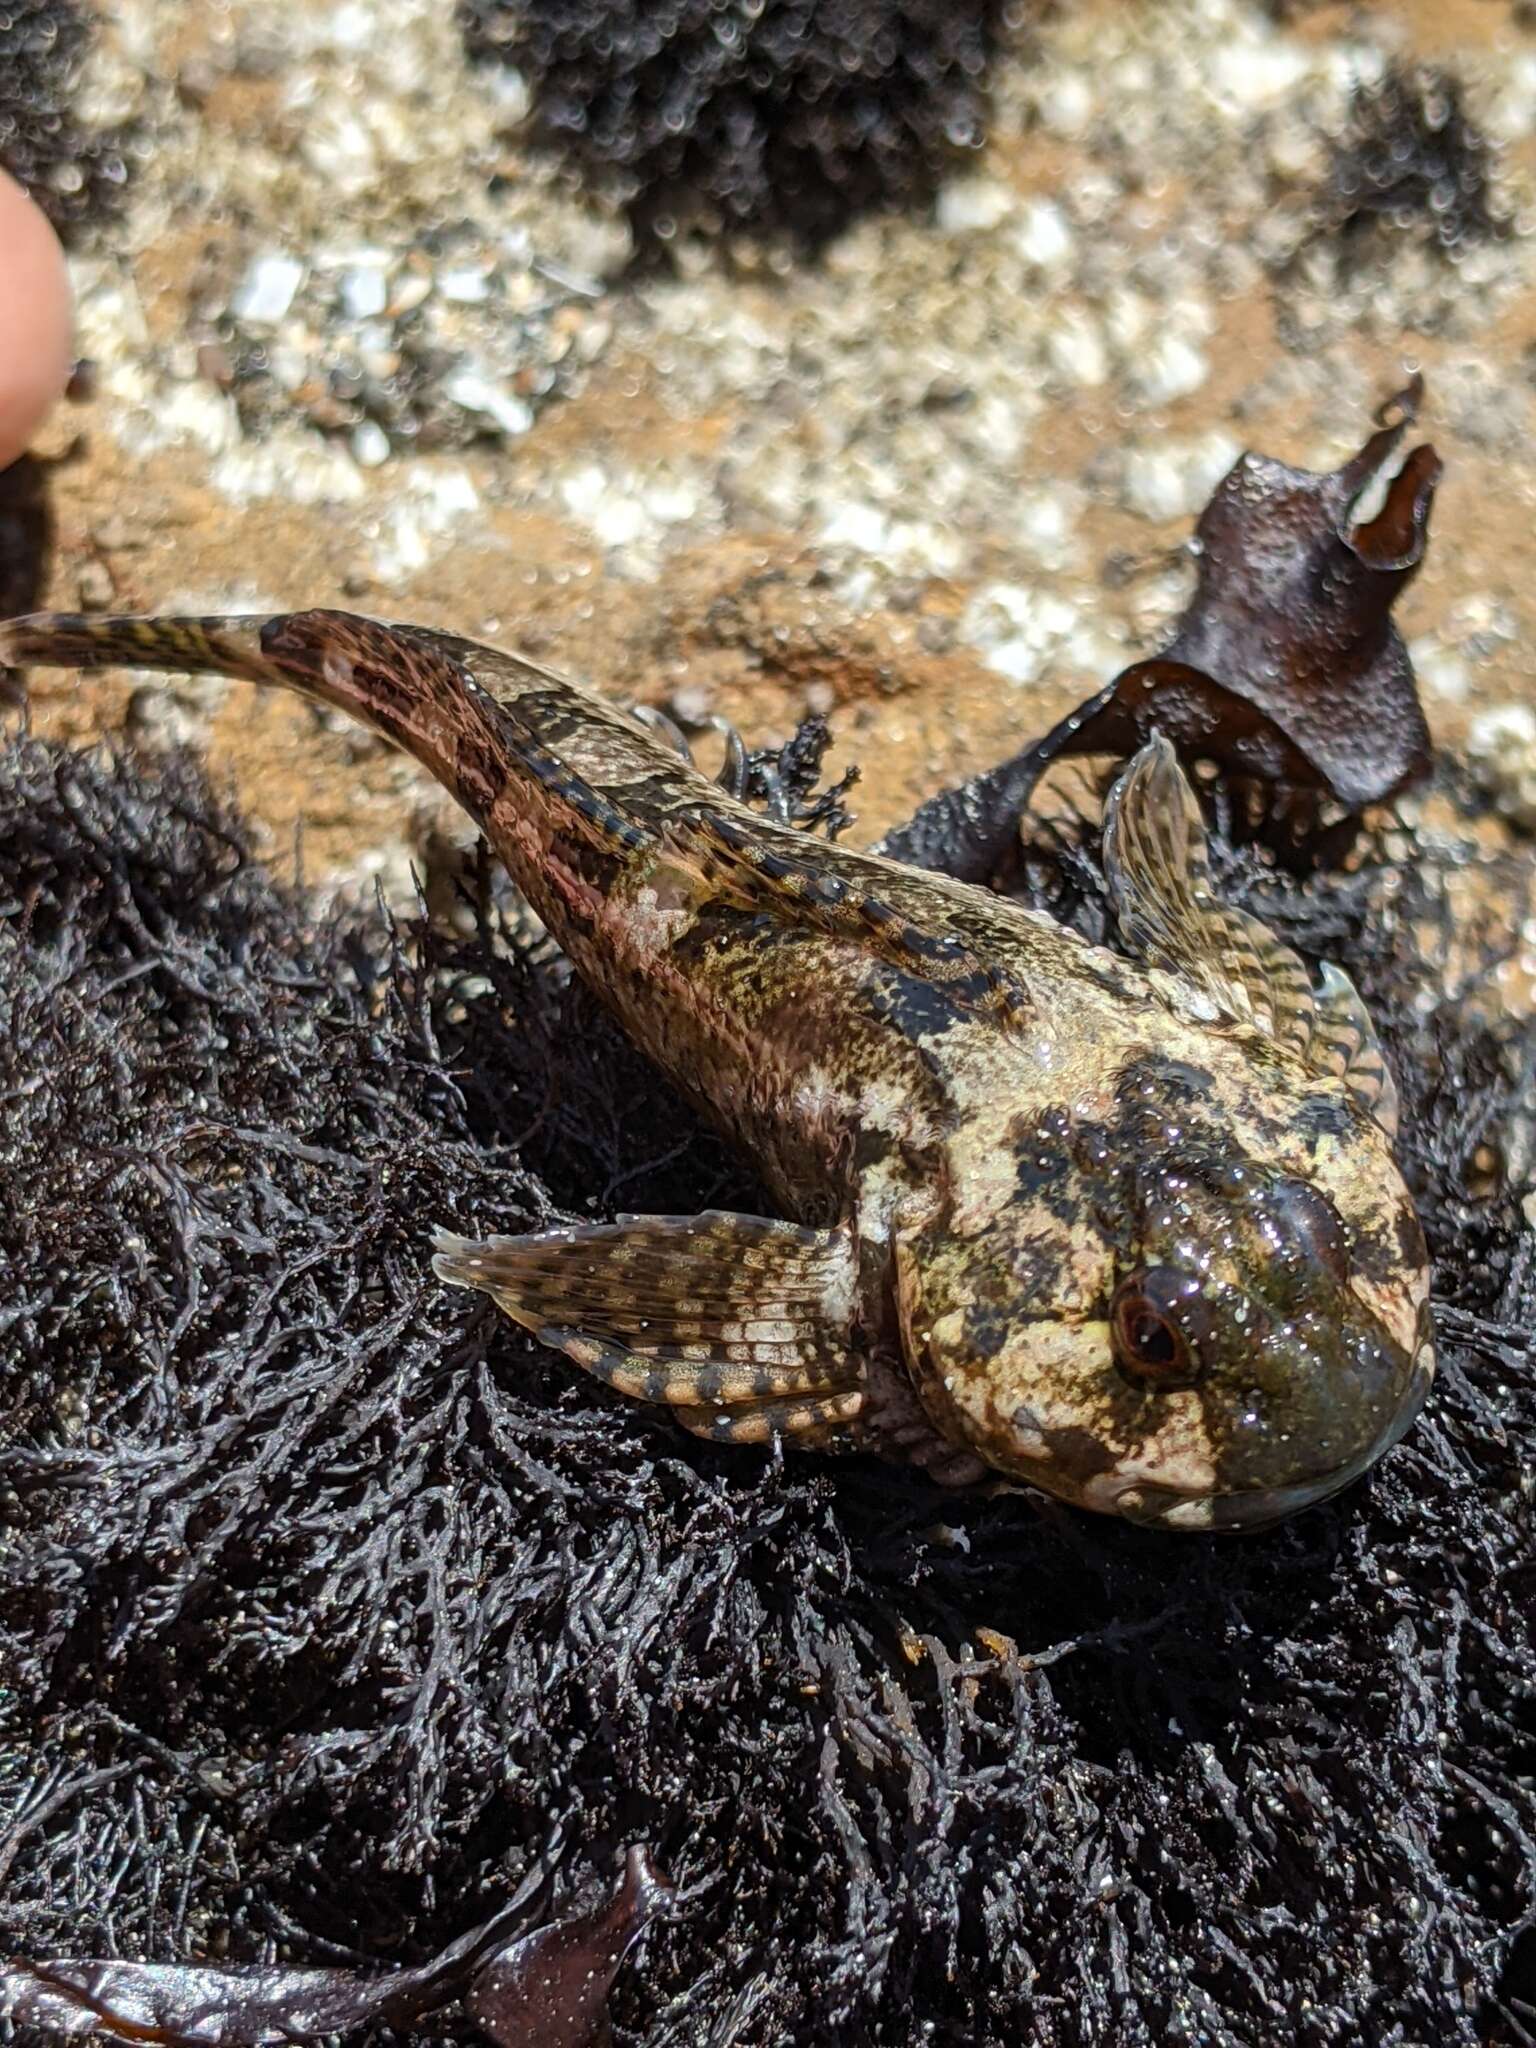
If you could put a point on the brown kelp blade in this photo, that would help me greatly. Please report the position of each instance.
(544, 1989)
(175, 2003)
(1286, 670)
(550, 1989)
(971, 832)
(1292, 609)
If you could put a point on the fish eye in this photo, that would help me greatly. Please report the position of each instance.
(1154, 1321)
(1311, 1222)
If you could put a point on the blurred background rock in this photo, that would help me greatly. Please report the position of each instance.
(869, 358)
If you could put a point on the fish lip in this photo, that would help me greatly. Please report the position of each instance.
(1221, 1514)
(1234, 1514)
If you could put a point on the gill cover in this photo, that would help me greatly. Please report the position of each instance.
(1224, 964)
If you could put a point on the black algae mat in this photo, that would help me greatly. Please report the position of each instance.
(787, 114)
(334, 1612)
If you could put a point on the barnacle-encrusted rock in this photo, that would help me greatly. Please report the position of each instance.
(73, 172)
(1412, 162)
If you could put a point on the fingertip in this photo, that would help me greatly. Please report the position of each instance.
(36, 323)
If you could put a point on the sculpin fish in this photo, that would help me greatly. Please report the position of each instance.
(1128, 1230)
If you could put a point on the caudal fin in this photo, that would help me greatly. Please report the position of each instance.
(229, 647)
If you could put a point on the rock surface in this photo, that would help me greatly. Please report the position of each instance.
(936, 484)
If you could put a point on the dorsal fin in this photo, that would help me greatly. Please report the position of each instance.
(1159, 873)
(748, 861)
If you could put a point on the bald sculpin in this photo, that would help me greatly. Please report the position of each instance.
(1127, 1230)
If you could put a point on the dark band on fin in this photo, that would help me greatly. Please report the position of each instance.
(699, 1312)
(1158, 867)
(739, 860)
(822, 1424)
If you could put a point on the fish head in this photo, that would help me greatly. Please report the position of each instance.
(1162, 1322)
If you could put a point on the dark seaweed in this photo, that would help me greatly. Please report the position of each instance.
(791, 114)
(785, 781)
(1411, 163)
(75, 174)
(335, 1612)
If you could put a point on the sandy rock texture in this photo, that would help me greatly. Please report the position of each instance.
(355, 341)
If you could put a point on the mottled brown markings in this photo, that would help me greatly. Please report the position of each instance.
(1047, 1170)
(1126, 1423)
(1035, 1267)
(1409, 1233)
(797, 998)
(1169, 1143)
(1169, 1080)
(814, 1007)
(987, 1328)
(1380, 1253)
(1081, 1454)
(481, 759)
(871, 1148)
(587, 807)
(1310, 1227)
(391, 693)
(1323, 1116)
(737, 861)
(915, 1007)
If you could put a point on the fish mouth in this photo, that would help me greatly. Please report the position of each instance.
(1162, 1507)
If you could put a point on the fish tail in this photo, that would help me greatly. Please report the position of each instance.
(377, 673)
(407, 685)
(228, 646)
(487, 740)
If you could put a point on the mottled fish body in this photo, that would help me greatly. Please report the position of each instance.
(1130, 1231)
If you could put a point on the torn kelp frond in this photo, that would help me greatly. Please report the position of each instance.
(544, 1989)
(1286, 670)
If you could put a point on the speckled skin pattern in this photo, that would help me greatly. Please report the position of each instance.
(978, 1127)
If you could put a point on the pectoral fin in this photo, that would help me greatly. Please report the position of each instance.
(1231, 964)
(742, 1323)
